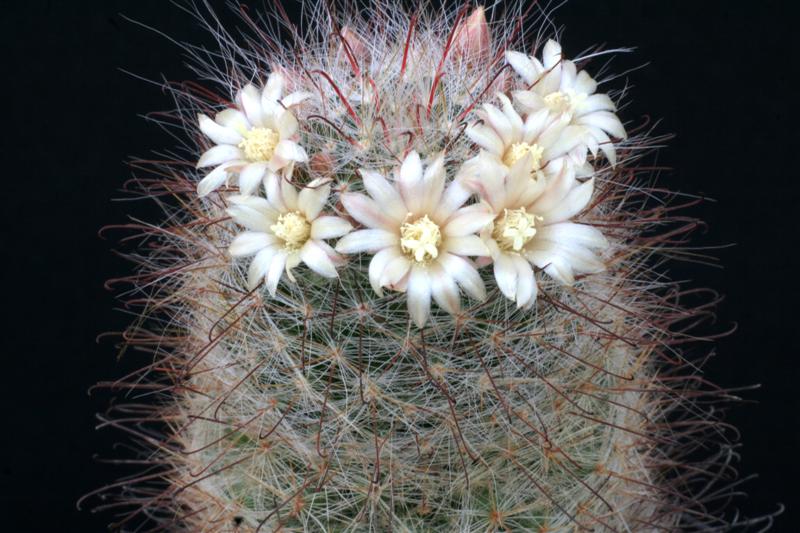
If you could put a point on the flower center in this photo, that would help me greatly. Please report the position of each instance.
(514, 228)
(519, 150)
(293, 229)
(420, 239)
(259, 144)
(558, 102)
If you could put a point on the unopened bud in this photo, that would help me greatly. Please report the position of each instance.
(472, 41)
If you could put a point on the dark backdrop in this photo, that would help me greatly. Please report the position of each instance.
(719, 77)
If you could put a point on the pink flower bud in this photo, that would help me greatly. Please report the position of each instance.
(472, 41)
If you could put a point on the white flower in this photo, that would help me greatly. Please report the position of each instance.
(555, 84)
(506, 138)
(254, 141)
(532, 226)
(420, 235)
(285, 229)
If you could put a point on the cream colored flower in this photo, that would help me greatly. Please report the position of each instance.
(506, 138)
(285, 229)
(532, 226)
(254, 141)
(420, 235)
(555, 84)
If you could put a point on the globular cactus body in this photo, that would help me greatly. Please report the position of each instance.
(452, 319)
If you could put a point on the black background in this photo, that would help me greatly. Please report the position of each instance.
(719, 77)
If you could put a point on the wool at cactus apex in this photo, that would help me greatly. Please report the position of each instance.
(715, 74)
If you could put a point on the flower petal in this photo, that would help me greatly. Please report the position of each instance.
(276, 269)
(433, 185)
(366, 240)
(522, 65)
(252, 212)
(584, 83)
(254, 202)
(597, 138)
(577, 234)
(565, 141)
(312, 198)
(444, 289)
(512, 116)
(572, 204)
(233, 119)
(317, 260)
(486, 138)
(411, 182)
(378, 264)
(526, 283)
(551, 54)
(217, 155)
(529, 101)
(484, 175)
(286, 123)
(454, 196)
(295, 98)
(259, 266)
(216, 132)
(520, 189)
(367, 211)
(468, 245)
(464, 273)
(395, 273)
(288, 193)
(606, 121)
(596, 102)
(545, 255)
(384, 194)
(329, 227)
(291, 151)
(535, 124)
(250, 177)
(505, 272)
(499, 123)
(214, 179)
(250, 242)
(468, 220)
(272, 91)
(418, 294)
(273, 186)
(251, 103)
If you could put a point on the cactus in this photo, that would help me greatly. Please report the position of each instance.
(421, 289)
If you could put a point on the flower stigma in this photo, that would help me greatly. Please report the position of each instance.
(514, 228)
(293, 229)
(420, 239)
(259, 144)
(519, 150)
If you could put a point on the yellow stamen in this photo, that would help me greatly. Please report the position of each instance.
(259, 144)
(558, 102)
(514, 228)
(420, 239)
(519, 150)
(293, 229)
